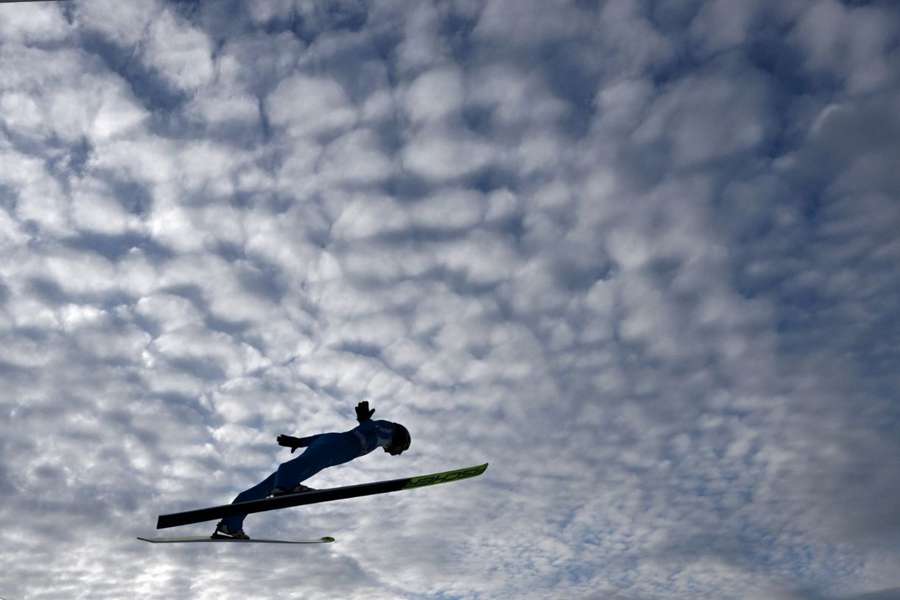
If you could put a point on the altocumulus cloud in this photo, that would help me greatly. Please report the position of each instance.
(641, 256)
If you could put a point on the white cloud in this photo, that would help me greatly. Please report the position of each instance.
(84, 105)
(435, 95)
(623, 105)
(310, 106)
(143, 158)
(262, 12)
(94, 208)
(723, 24)
(168, 311)
(33, 24)
(181, 54)
(482, 259)
(441, 154)
(41, 202)
(639, 264)
(219, 110)
(26, 110)
(421, 46)
(453, 208)
(849, 43)
(217, 349)
(707, 118)
(369, 216)
(630, 42)
(116, 115)
(522, 22)
(12, 237)
(355, 158)
(127, 25)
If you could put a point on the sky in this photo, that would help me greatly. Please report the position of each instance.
(640, 256)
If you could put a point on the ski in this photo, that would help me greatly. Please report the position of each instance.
(316, 496)
(206, 538)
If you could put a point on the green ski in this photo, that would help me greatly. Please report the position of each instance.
(316, 496)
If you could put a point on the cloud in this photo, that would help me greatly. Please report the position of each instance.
(435, 95)
(40, 25)
(179, 52)
(849, 43)
(441, 154)
(638, 256)
(310, 106)
(127, 26)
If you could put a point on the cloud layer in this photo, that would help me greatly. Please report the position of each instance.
(640, 256)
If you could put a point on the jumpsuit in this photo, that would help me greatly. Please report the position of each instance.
(325, 450)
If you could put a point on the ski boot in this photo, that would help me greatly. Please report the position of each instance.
(222, 532)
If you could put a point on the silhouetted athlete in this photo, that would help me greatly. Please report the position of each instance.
(322, 451)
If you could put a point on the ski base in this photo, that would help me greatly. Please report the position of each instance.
(205, 538)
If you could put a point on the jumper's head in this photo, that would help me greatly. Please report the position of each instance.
(400, 441)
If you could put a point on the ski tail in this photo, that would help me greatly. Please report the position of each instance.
(316, 496)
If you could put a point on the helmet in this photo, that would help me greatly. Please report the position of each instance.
(400, 440)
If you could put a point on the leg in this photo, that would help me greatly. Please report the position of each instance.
(289, 474)
(328, 450)
(257, 492)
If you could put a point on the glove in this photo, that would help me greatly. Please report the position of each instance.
(289, 441)
(363, 413)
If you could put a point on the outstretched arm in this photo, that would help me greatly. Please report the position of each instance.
(293, 443)
(363, 414)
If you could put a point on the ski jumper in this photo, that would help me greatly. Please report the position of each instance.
(325, 450)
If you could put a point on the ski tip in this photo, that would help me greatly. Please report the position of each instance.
(326, 539)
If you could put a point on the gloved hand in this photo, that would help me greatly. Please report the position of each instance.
(362, 411)
(289, 441)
